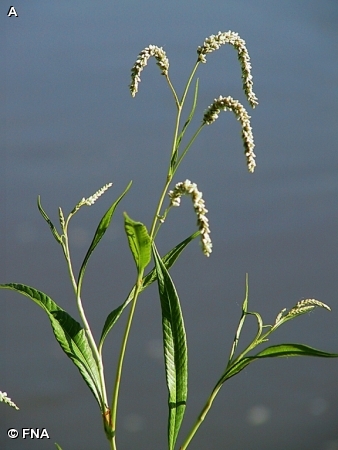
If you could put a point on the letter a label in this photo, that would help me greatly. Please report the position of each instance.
(12, 12)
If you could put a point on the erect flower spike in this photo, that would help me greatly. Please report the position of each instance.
(189, 188)
(92, 199)
(228, 103)
(142, 61)
(213, 43)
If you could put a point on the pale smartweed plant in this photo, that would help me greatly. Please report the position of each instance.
(77, 339)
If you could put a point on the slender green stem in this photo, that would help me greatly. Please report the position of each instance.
(159, 206)
(212, 397)
(197, 132)
(169, 176)
(122, 354)
(189, 82)
(255, 342)
(173, 91)
(91, 340)
(258, 340)
(241, 320)
(94, 349)
(65, 248)
(231, 362)
(201, 417)
(171, 171)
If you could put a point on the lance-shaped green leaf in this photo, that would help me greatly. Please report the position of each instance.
(139, 242)
(100, 231)
(175, 349)
(69, 334)
(276, 351)
(57, 446)
(47, 219)
(168, 260)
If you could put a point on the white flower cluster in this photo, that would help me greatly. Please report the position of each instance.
(303, 306)
(4, 398)
(213, 43)
(307, 305)
(189, 188)
(279, 316)
(92, 199)
(142, 61)
(228, 103)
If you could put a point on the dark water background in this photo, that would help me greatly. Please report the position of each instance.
(69, 125)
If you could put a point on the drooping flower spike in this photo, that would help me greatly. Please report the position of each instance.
(228, 103)
(142, 61)
(303, 306)
(307, 305)
(189, 188)
(4, 398)
(213, 43)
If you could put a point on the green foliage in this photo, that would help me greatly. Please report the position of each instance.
(100, 231)
(175, 349)
(276, 351)
(236, 365)
(168, 260)
(139, 242)
(47, 219)
(69, 334)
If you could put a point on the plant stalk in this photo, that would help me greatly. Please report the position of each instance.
(121, 357)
